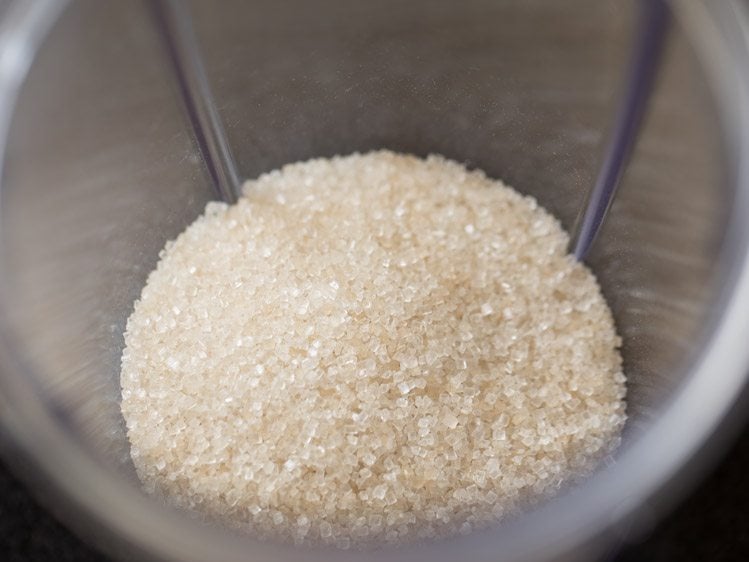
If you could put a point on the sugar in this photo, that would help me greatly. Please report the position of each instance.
(369, 349)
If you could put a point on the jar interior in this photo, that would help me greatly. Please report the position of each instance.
(102, 168)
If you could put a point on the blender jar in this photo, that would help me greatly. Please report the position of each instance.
(100, 168)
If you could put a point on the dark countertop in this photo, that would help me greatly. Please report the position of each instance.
(711, 525)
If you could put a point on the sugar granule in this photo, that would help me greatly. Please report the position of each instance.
(369, 349)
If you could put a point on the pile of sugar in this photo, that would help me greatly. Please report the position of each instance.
(369, 349)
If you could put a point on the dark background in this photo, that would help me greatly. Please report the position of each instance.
(711, 525)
